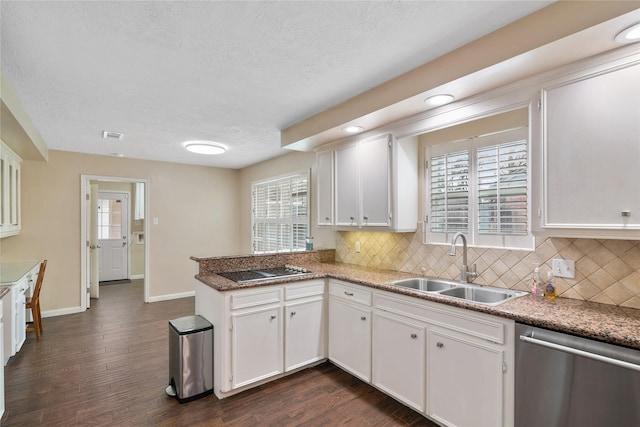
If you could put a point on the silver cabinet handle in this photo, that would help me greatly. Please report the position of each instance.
(352, 218)
(578, 352)
(440, 345)
(414, 336)
(363, 318)
(366, 218)
(293, 313)
(273, 317)
(326, 218)
(349, 294)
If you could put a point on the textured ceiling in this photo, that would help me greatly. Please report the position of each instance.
(163, 72)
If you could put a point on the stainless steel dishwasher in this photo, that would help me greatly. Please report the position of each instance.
(567, 381)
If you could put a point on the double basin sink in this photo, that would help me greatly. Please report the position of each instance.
(485, 295)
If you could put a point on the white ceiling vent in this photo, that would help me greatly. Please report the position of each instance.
(107, 134)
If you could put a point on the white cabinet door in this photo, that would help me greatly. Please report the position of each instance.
(465, 380)
(592, 153)
(398, 351)
(10, 182)
(256, 345)
(375, 170)
(20, 315)
(324, 185)
(350, 338)
(304, 333)
(347, 186)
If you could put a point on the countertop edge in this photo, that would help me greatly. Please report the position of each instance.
(597, 321)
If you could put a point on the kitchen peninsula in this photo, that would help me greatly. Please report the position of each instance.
(408, 343)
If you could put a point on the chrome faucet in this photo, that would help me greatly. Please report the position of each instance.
(466, 272)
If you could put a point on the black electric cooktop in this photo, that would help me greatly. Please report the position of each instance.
(263, 273)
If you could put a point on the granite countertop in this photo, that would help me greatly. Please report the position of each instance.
(608, 323)
(4, 290)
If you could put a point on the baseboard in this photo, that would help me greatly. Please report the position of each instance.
(172, 296)
(61, 311)
(136, 276)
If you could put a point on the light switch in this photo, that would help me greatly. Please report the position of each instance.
(564, 268)
(358, 247)
(155, 221)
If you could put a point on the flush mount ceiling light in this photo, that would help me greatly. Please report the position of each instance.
(436, 100)
(629, 35)
(204, 147)
(353, 129)
(116, 154)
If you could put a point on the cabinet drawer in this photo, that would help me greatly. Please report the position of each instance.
(476, 324)
(350, 293)
(304, 289)
(252, 298)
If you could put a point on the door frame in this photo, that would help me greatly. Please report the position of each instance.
(84, 180)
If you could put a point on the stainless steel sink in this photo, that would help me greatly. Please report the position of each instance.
(424, 284)
(477, 294)
(486, 295)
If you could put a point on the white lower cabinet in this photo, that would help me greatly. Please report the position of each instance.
(256, 333)
(262, 332)
(350, 329)
(465, 377)
(398, 353)
(453, 365)
(304, 332)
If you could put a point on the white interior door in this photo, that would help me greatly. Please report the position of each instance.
(113, 229)
(92, 226)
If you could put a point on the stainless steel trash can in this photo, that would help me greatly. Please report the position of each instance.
(190, 358)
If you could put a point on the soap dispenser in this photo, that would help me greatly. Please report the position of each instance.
(536, 289)
(550, 286)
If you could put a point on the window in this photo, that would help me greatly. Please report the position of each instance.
(138, 208)
(109, 219)
(280, 213)
(480, 186)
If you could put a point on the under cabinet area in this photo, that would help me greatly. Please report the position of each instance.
(371, 183)
(591, 135)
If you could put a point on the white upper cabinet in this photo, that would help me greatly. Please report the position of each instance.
(591, 153)
(324, 187)
(9, 191)
(375, 185)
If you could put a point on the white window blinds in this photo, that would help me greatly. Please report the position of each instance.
(280, 213)
(502, 188)
(480, 186)
(450, 192)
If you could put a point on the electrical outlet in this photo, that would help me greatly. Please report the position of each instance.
(357, 247)
(564, 268)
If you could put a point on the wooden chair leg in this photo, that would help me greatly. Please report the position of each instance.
(40, 318)
(36, 322)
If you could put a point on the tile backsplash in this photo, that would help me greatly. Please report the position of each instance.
(606, 271)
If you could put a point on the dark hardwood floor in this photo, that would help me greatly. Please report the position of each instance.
(109, 367)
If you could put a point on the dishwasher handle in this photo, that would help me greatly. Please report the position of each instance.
(578, 352)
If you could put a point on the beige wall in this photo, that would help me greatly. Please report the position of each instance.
(291, 162)
(196, 207)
